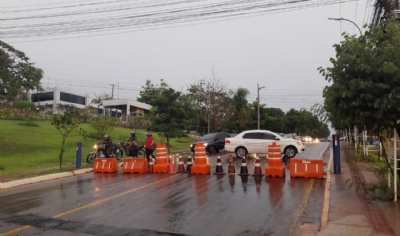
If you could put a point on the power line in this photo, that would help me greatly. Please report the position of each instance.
(147, 20)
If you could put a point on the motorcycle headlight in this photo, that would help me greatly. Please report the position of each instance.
(191, 145)
(95, 146)
(205, 144)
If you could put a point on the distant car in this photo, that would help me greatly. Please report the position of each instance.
(214, 142)
(292, 136)
(257, 141)
(306, 139)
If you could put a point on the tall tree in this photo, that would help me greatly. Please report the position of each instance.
(168, 111)
(17, 75)
(239, 113)
(213, 98)
(150, 91)
(365, 77)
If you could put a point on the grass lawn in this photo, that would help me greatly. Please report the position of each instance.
(24, 148)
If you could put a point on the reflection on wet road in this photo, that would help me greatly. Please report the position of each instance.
(162, 204)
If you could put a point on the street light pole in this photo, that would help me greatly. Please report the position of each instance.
(258, 105)
(339, 19)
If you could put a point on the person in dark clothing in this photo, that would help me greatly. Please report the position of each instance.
(107, 144)
(133, 137)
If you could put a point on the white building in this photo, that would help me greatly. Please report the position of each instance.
(49, 99)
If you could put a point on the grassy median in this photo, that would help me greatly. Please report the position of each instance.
(25, 148)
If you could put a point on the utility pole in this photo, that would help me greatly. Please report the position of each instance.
(258, 105)
(112, 92)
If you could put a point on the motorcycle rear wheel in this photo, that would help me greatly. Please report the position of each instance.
(140, 153)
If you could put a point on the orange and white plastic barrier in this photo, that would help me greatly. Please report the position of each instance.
(105, 165)
(275, 166)
(307, 168)
(134, 165)
(201, 165)
(161, 165)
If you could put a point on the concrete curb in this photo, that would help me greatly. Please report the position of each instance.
(38, 179)
(325, 207)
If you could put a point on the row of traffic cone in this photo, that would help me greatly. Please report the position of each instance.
(243, 169)
(181, 166)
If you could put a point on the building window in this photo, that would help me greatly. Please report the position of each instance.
(40, 97)
(67, 97)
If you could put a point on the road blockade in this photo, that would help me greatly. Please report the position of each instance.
(134, 165)
(243, 167)
(181, 166)
(275, 166)
(231, 169)
(257, 167)
(218, 169)
(105, 165)
(307, 168)
(189, 164)
(201, 165)
(151, 164)
(171, 165)
(161, 165)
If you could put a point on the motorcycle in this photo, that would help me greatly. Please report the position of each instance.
(116, 152)
(139, 151)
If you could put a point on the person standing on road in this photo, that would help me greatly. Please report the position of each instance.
(149, 145)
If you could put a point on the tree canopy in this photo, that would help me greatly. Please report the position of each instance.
(365, 77)
(17, 75)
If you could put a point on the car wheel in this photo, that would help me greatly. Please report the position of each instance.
(211, 149)
(290, 151)
(240, 152)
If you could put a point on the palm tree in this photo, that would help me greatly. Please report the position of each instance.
(240, 112)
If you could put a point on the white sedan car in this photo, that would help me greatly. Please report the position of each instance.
(257, 141)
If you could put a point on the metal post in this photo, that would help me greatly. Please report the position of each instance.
(258, 107)
(47, 106)
(395, 164)
(336, 153)
(78, 155)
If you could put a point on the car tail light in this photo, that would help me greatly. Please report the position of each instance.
(227, 141)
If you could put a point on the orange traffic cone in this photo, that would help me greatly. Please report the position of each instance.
(171, 165)
(189, 164)
(181, 167)
(257, 167)
(151, 164)
(218, 169)
(243, 169)
(231, 169)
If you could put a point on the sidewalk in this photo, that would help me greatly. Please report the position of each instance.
(356, 213)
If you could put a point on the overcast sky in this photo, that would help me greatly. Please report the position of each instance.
(280, 51)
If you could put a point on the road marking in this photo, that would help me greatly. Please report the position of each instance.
(327, 195)
(303, 206)
(91, 204)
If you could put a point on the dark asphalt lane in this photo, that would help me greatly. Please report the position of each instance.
(164, 204)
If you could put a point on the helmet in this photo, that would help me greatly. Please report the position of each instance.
(148, 133)
(132, 132)
(106, 136)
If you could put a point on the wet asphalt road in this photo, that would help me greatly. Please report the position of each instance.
(165, 204)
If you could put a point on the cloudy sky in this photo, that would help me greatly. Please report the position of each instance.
(275, 44)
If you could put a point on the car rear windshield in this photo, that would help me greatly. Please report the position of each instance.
(207, 137)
